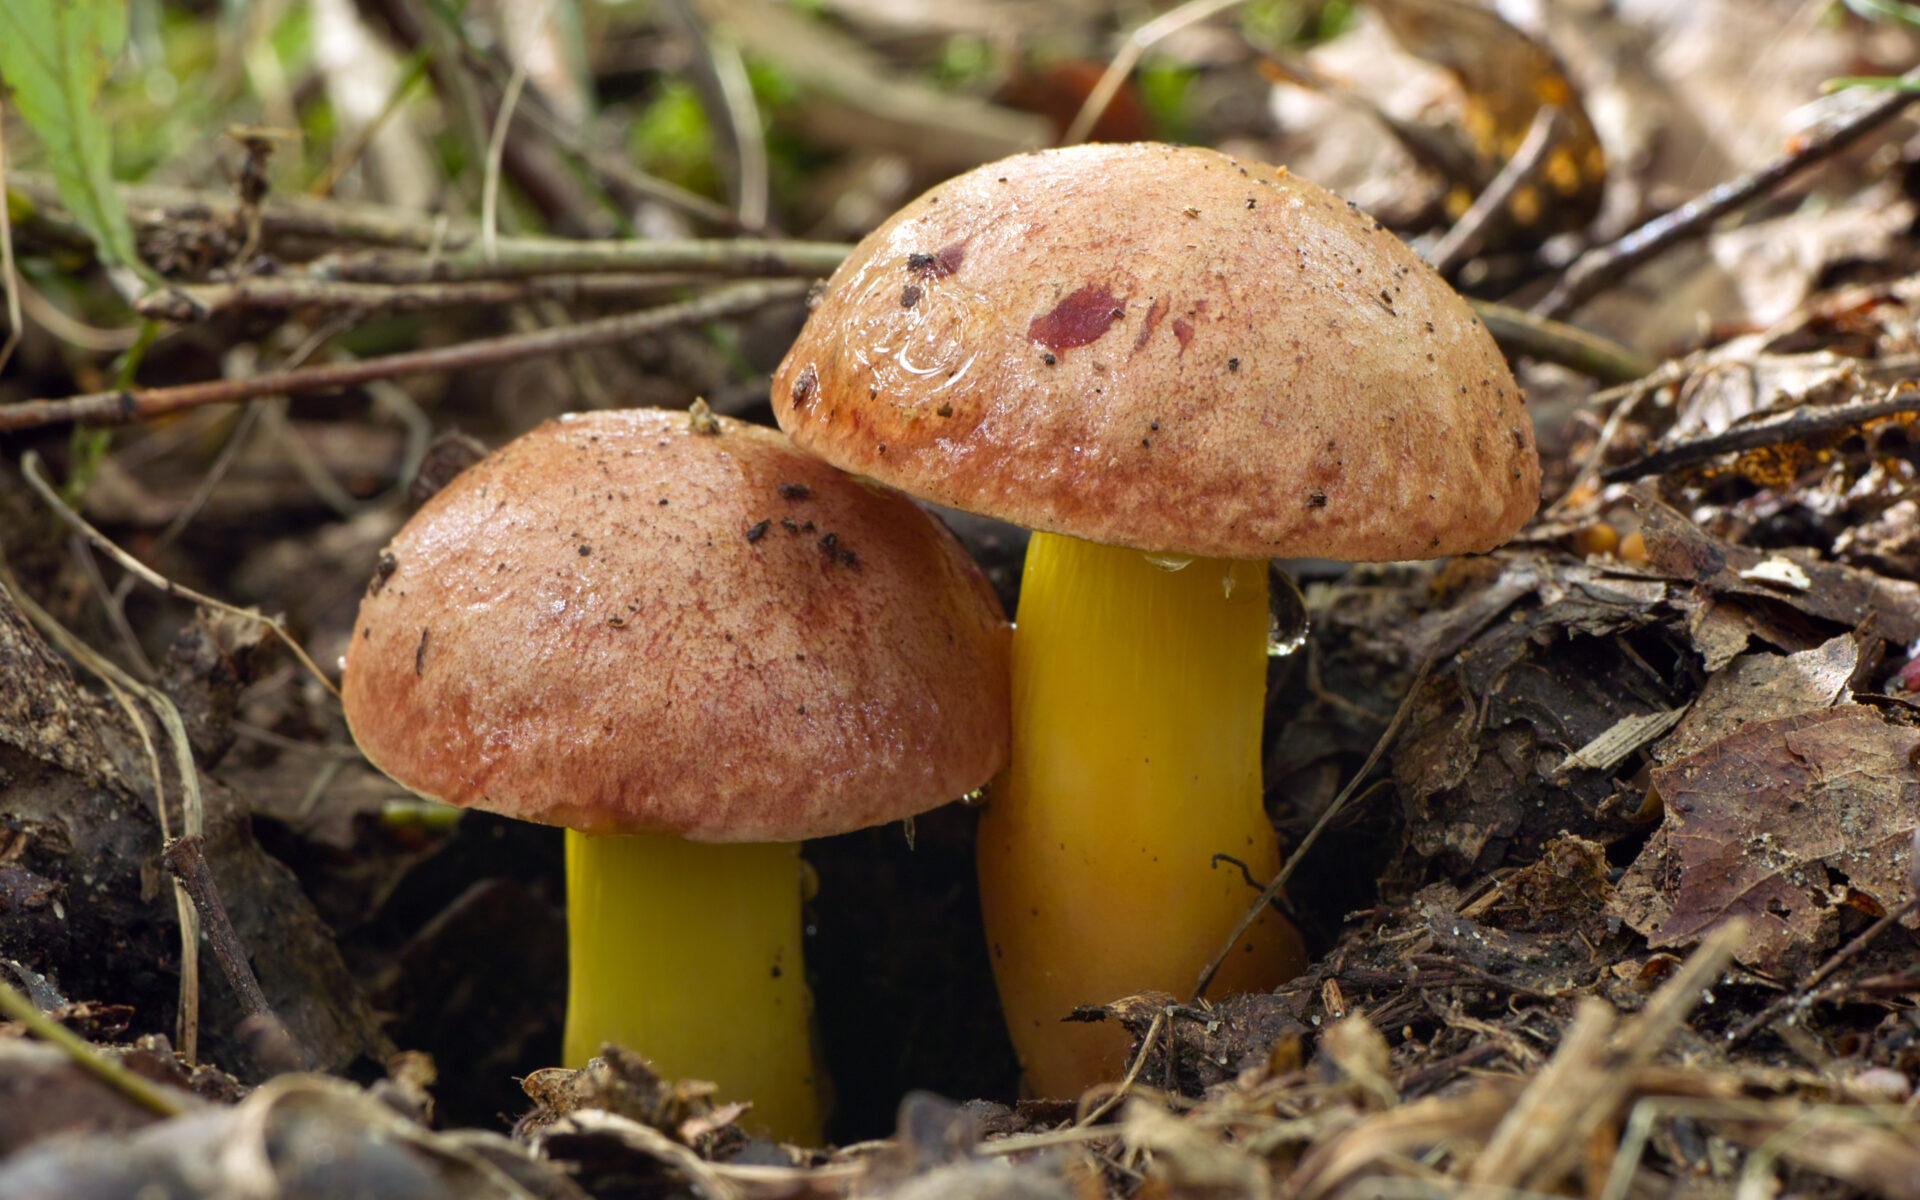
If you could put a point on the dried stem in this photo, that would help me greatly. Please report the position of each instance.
(520, 258)
(270, 293)
(157, 208)
(187, 861)
(1521, 332)
(1287, 868)
(1788, 427)
(143, 404)
(192, 810)
(1131, 51)
(1802, 997)
(1463, 240)
(1603, 265)
(1106, 1106)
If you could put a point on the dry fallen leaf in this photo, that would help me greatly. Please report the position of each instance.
(1507, 77)
(1769, 823)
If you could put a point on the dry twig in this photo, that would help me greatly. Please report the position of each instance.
(268, 293)
(1802, 997)
(1520, 332)
(521, 258)
(1589, 1078)
(187, 862)
(1125, 1085)
(143, 404)
(1775, 430)
(1463, 239)
(1603, 265)
(1287, 869)
(1137, 44)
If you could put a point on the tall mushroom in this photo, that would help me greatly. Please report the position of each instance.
(1143, 348)
(693, 646)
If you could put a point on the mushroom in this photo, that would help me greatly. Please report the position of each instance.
(1173, 364)
(693, 646)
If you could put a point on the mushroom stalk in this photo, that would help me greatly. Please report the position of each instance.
(1137, 712)
(689, 953)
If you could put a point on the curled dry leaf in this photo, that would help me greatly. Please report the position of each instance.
(1202, 1048)
(1506, 77)
(1764, 687)
(1681, 550)
(1770, 823)
(620, 1082)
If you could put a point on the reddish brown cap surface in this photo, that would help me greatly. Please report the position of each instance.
(620, 625)
(1166, 348)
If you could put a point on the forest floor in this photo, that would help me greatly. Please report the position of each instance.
(1603, 844)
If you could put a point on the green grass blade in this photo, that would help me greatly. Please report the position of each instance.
(54, 55)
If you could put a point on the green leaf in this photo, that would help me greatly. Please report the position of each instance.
(55, 55)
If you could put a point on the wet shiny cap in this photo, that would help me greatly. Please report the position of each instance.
(1167, 348)
(621, 624)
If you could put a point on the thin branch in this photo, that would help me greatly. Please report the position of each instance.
(276, 293)
(143, 404)
(1802, 997)
(1279, 883)
(518, 258)
(71, 330)
(1603, 265)
(1777, 431)
(1463, 240)
(1521, 332)
(187, 862)
(158, 208)
(1589, 472)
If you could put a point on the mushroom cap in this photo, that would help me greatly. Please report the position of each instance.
(1167, 348)
(620, 625)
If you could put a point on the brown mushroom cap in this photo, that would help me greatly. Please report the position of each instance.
(619, 625)
(1165, 348)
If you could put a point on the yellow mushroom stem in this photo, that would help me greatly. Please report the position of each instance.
(1137, 708)
(688, 953)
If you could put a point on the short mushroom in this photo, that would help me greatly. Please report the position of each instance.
(693, 646)
(1143, 348)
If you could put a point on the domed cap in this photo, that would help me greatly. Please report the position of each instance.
(622, 625)
(1165, 348)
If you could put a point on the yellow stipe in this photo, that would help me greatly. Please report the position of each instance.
(689, 953)
(1137, 706)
